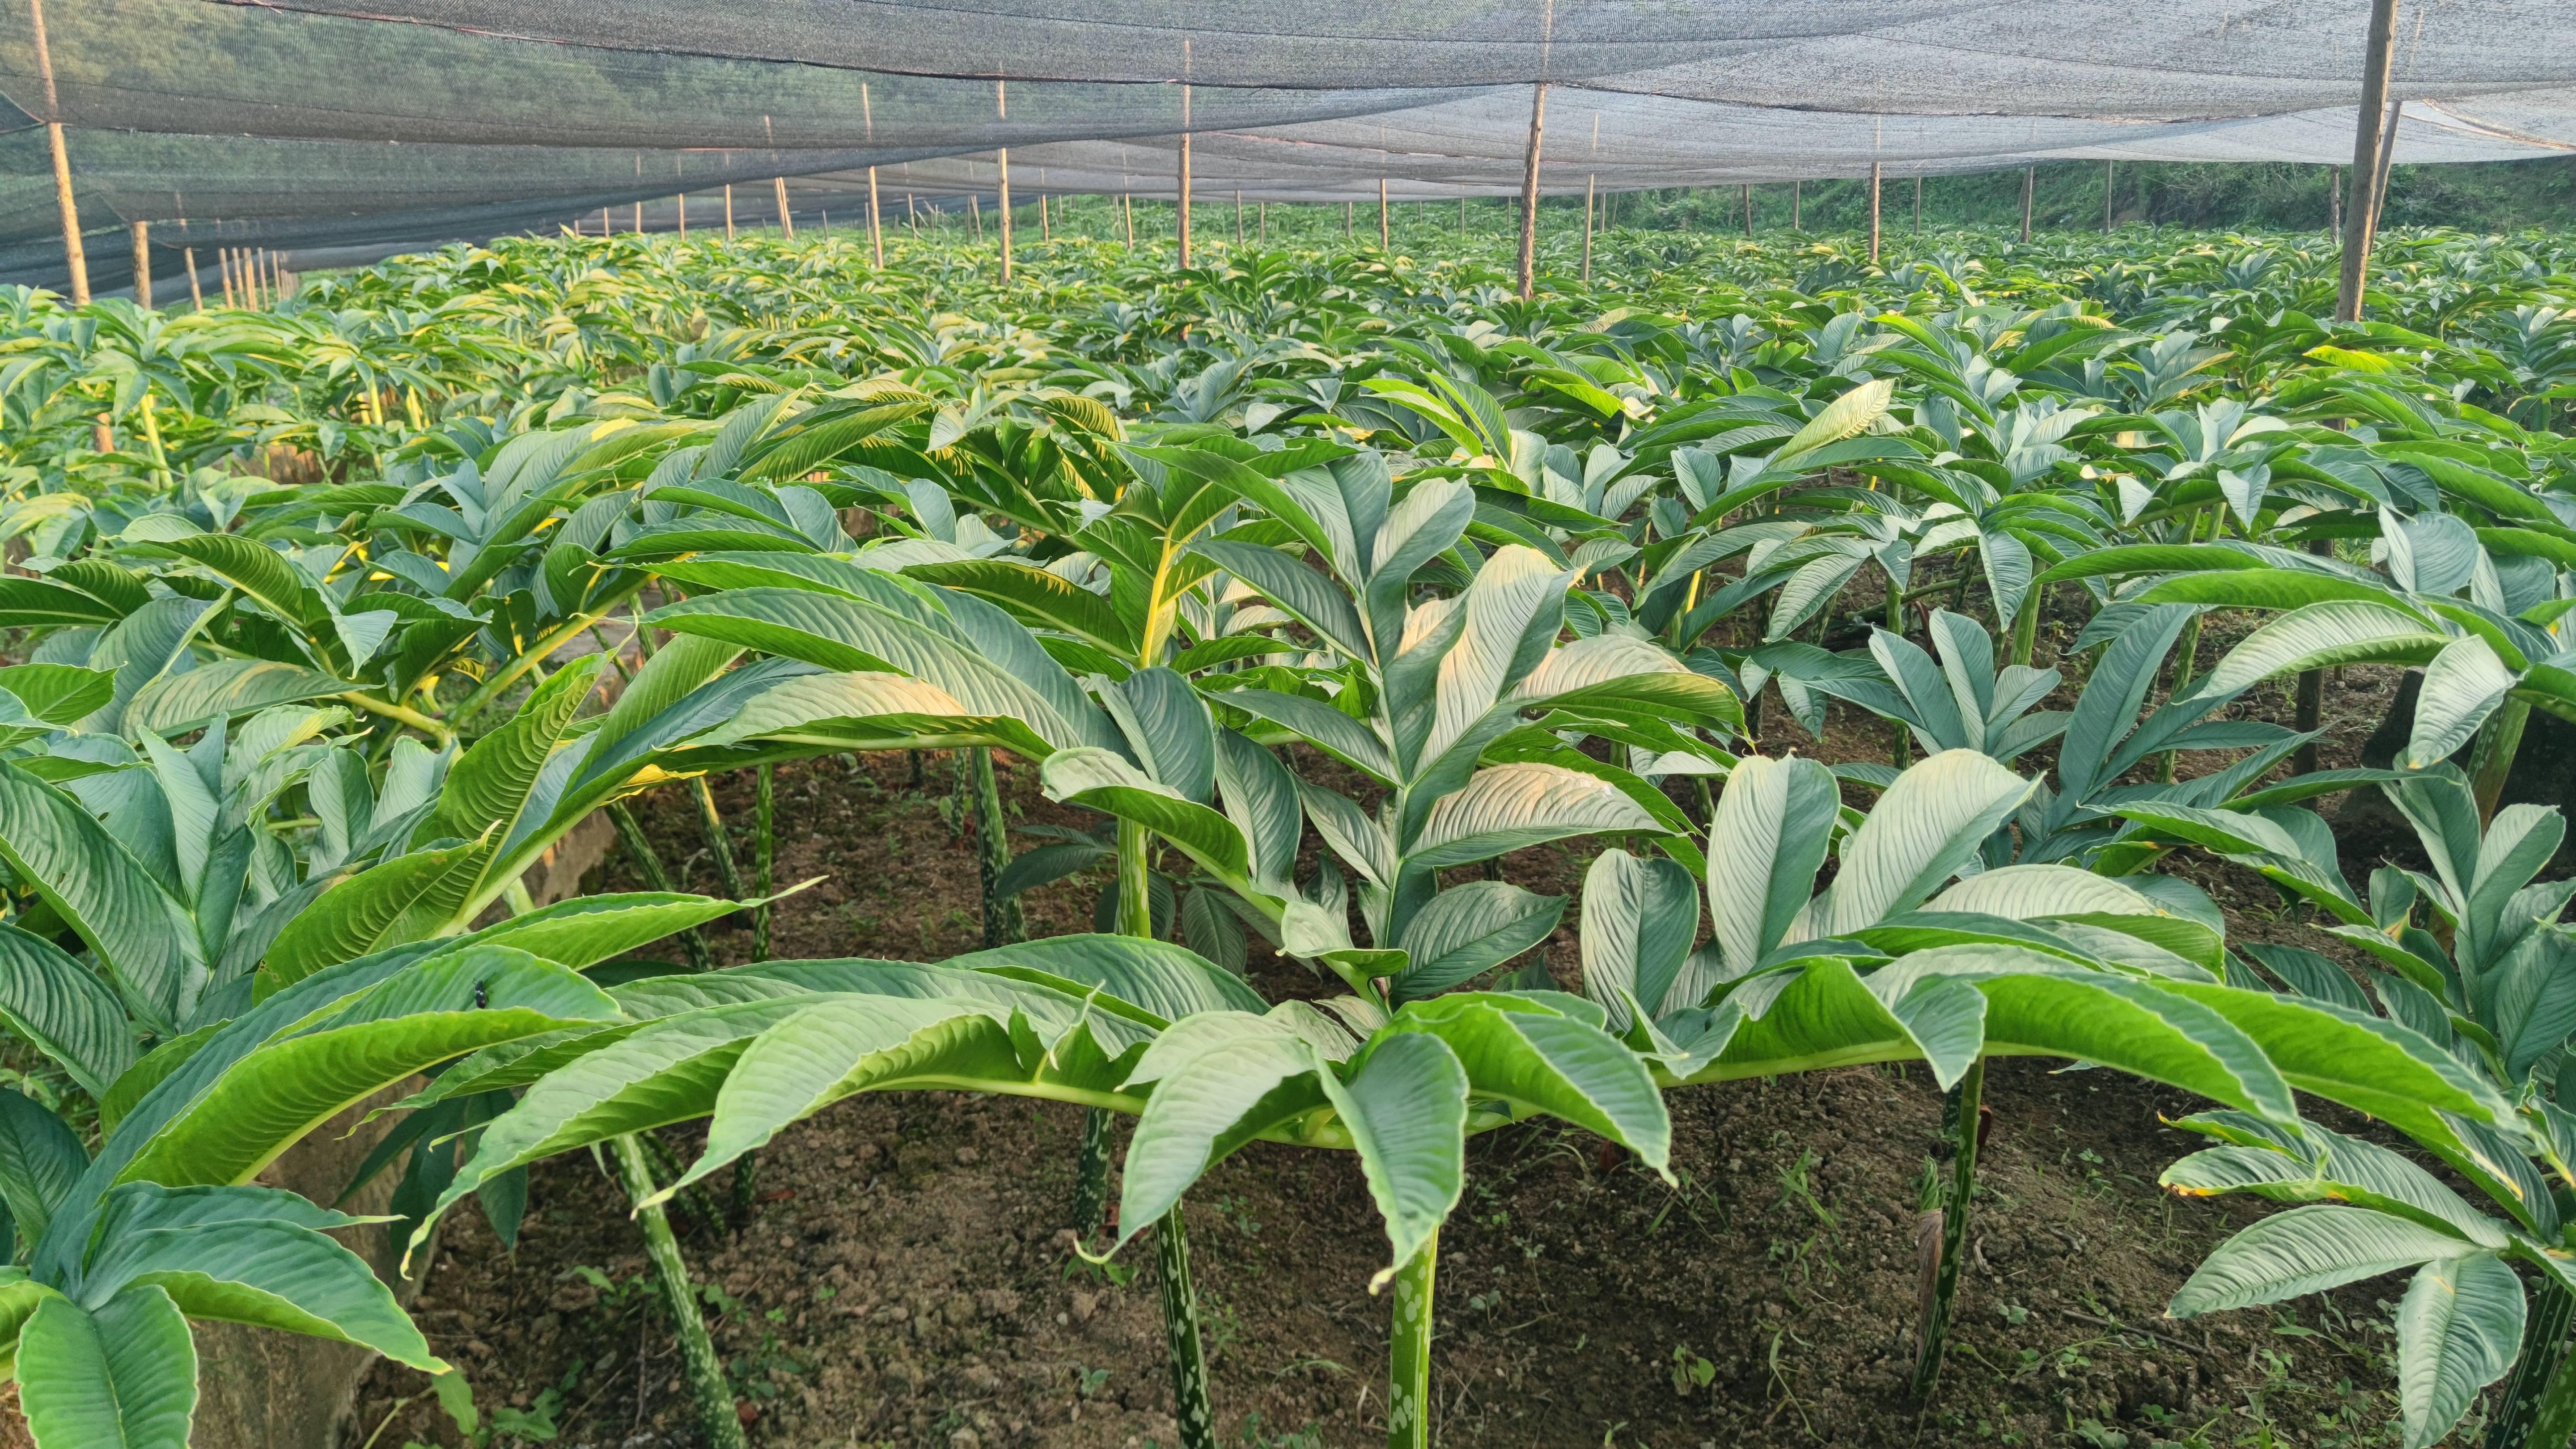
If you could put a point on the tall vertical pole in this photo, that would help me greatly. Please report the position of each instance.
(786, 221)
(143, 265)
(1238, 216)
(1797, 222)
(2107, 178)
(1126, 206)
(1529, 192)
(73, 255)
(2357, 218)
(1002, 175)
(639, 218)
(196, 289)
(224, 273)
(1918, 206)
(1384, 232)
(2387, 156)
(1588, 182)
(2029, 181)
(728, 211)
(682, 204)
(1184, 218)
(1873, 213)
(876, 224)
(2334, 200)
(1748, 208)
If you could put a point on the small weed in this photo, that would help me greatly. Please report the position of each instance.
(1690, 1371)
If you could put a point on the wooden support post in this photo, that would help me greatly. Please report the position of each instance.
(1589, 181)
(1350, 219)
(224, 273)
(639, 218)
(2109, 168)
(1127, 207)
(1046, 231)
(1384, 232)
(2387, 155)
(1002, 206)
(1261, 220)
(1462, 213)
(1748, 208)
(73, 255)
(1797, 221)
(2357, 218)
(1529, 191)
(876, 223)
(1182, 222)
(786, 220)
(2029, 181)
(975, 214)
(143, 265)
(196, 289)
(683, 202)
(728, 211)
(1873, 213)
(1918, 206)
(2334, 200)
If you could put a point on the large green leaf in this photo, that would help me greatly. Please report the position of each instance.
(1164, 981)
(1099, 779)
(1845, 416)
(2462, 686)
(841, 1046)
(40, 1160)
(1511, 806)
(1310, 597)
(1038, 598)
(1639, 920)
(1537, 1060)
(586, 930)
(145, 939)
(176, 703)
(2458, 1329)
(870, 711)
(266, 1274)
(1471, 928)
(2318, 635)
(490, 783)
(1926, 827)
(1773, 826)
(453, 1003)
(2308, 1250)
(1406, 1110)
(64, 1010)
(404, 899)
(123, 1377)
(1240, 1076)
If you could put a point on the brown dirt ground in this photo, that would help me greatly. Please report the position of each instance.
(905, 1279)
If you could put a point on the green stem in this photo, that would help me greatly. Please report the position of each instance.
(2025, 635)
(529, 658)
(1181, 1334)
(1135, 894)
(2541, 1396)
(1408, 1357)
(1959, 1113)
(1091, 1175)
(764, 857)
(717, 1418)
(402, 713)
(719, 843)
(1004, 923)
(649, 865)
(1900, 739)
(2498, 742)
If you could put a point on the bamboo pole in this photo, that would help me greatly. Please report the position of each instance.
(639, 218)
(728, 211)
(224, 273)
(876, 224)
(73, 254)
(1797, 217)
(1127, 204)
(1261, 219)
(1748, 208)
(1918, 206)
(1529, 191)
(196, 289)
(2357, 218)
(2387, 156)
(786, 219)
(1184, 191)
(1238, 216)
(975, 214)
(2108, 168)
(1350, 220)
(1046, 229)
(1384, 234)
(1589, 181)
(1873, 212)
(1002, 206)
(2334, 200)
(143, 265)
(2029, 182)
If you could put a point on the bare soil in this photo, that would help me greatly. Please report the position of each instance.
(904, 1276)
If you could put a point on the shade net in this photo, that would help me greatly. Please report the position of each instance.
(304, 124)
